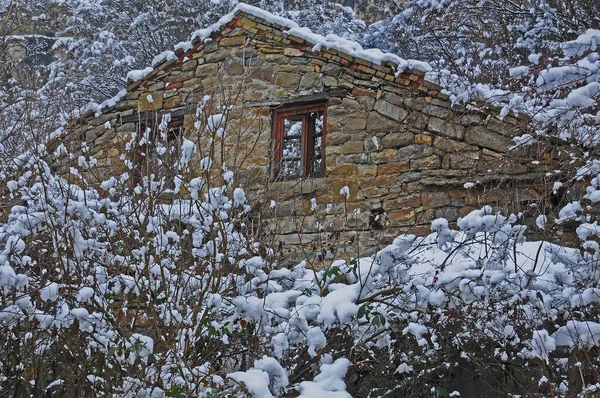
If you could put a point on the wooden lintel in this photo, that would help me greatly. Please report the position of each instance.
(305, 99)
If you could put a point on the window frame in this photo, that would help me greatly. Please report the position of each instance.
(302, 112)
(175, 131)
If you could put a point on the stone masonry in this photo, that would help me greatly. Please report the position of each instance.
(399, 145)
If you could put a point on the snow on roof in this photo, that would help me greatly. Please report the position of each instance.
(330, 41)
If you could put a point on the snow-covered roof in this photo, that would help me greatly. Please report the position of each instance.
(289, 28)
(330, 41)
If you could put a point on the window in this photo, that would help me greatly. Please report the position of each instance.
(299, 142)
(159, 152)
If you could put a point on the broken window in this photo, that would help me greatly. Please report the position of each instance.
(160, 151)
(299, 142)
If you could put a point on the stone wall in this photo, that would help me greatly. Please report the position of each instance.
(394, 139)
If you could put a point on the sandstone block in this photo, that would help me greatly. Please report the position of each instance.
(311, 82)
(377, 123)
(446, 128)
(401, 217)
(414, 152)
(207, 70)
(464, 160)
(436, 111)
(408, 177)
(287, 80)
(449, 145)
(384, 156)
(233, 66)
(423, 139)
(366, 170)
(336, 138)
(435, 199)
(344, 170)
(486, 138)
(403, 202)
(397, 140)
(429, 162)
(352, 147)
(391, 111)
(394, 168)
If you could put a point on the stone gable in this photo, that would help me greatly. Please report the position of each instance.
(393, 138)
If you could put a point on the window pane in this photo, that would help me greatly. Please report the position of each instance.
(291, 161)
(316, 152)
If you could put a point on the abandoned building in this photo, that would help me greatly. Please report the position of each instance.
(309, 115)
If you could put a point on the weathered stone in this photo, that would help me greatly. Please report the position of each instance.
(330, 81)
(150, 102)
(352, 147)
(414, 152)
(449, 213)
(232, 41)
(391, 111)
(331, 69)
(417, 121)
(392, 168)
(359, 158)
(189, 66)
(397, 140)
(392, 98)
(446, 128)
(423, 139)
(373, 144)
(292, 52)
(217, 56)
(436, 111)
(126, 105)
(464, 160)
(403, 202)
(354, 122)
(90, 136)
(408, 177)
(172, 102)
(430, 162)
(263, 72)
(287, 80)
(207, 70)
(435, 199)
(344, 170)
(336, 138)
(401, 217)
(310, 83)
(233, 66)
(486, 138)
(300, 61)
(384, 156)
(448, 145)
(366, 170)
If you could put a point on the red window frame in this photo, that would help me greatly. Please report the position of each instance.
(301, 112)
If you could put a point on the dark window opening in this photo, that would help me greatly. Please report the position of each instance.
(299, 142)
(160, 151)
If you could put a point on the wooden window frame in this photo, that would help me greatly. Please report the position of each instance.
(302, 112)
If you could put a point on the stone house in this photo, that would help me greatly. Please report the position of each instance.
(309, 115)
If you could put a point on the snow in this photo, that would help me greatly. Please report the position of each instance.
(256, 381)
(345, 192)
(139, 74)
